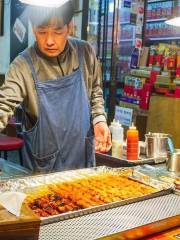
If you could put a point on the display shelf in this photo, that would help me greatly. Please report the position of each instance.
(156, 20)
(140, 73)
(125, 22)
(126, 40)
(108, 58)
(107, 41)
(163, 38)
(155, 1)
(93, 23)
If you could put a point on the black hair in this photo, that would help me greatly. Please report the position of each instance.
(41, 16)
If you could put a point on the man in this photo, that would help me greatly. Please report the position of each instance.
(57, 81)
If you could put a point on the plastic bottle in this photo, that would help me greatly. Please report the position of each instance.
(117, 139)
(132, 143)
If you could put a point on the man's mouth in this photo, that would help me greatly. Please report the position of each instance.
(50, 50)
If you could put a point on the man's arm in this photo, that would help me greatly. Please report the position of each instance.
(101, 130)
(97, 101)
(12, 93)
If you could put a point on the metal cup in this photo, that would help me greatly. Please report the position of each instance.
(156, 145)
(173, 164)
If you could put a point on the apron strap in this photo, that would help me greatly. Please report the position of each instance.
(81, 56)
(27, 57)
(79, 44)
(80, 49)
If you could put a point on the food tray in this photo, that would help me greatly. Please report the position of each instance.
(27, 184)
(105, 159)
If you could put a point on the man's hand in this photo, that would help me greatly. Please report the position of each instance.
(102, 137)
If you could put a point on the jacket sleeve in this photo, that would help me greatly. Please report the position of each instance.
(96, 100)
(12, 92)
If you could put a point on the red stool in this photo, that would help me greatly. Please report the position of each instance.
(11, 144)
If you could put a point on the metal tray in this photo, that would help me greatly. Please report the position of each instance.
(24, 184)
(79, 213)
(108, 160)
(27, 184)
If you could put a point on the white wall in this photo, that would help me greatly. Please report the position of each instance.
(5, 40)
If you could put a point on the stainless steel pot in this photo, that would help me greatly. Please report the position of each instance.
(156, 145)
(173, 164)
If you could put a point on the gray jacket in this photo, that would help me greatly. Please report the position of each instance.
(19, 85)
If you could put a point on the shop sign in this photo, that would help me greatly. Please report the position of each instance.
(124, 115)
(127, 3)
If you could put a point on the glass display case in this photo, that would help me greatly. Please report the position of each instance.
(115, 29)
(156, 30)
(77, 19)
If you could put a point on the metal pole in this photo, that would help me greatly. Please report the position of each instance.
(84, 19)
(114, 61)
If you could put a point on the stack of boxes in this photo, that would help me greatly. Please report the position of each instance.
(137, 91)
(166, 58)
(158, 70)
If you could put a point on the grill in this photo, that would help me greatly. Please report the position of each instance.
(112, 221)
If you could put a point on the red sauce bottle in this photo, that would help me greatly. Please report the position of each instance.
(132, 143)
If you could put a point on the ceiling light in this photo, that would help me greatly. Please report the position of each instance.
(45, 3)
(174, 21)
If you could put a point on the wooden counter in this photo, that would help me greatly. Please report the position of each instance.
(25, 227)
(164, 115)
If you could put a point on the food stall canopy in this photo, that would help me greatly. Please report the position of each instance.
(47, 3)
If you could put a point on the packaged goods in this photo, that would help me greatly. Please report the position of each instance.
(166, 56)
(149, 11)
(144, 54)
(178, 64)
(171, 61)
(154, 9)
(134, 58)
(160, 55)
(152, 55)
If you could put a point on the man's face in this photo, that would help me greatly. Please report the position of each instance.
(52, 39)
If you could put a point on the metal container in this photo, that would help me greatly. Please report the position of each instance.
(156, 145)
(173, 164)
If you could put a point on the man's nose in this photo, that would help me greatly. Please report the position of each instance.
(49, 40)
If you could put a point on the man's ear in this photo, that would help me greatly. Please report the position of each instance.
(71, 28)
(34, 30)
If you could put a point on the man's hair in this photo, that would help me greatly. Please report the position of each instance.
(41, 16)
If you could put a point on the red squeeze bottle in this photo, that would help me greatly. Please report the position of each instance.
(132, 143)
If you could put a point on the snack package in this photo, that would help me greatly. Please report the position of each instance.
(152, 55)
(166, 56)
(160, 55)
(171, 62)
(178, 64)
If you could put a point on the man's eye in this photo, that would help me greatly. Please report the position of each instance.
(58, 32)
(41, 32)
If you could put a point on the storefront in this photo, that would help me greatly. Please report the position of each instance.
(128, 192)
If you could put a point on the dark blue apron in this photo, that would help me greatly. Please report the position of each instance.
(62, 138)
